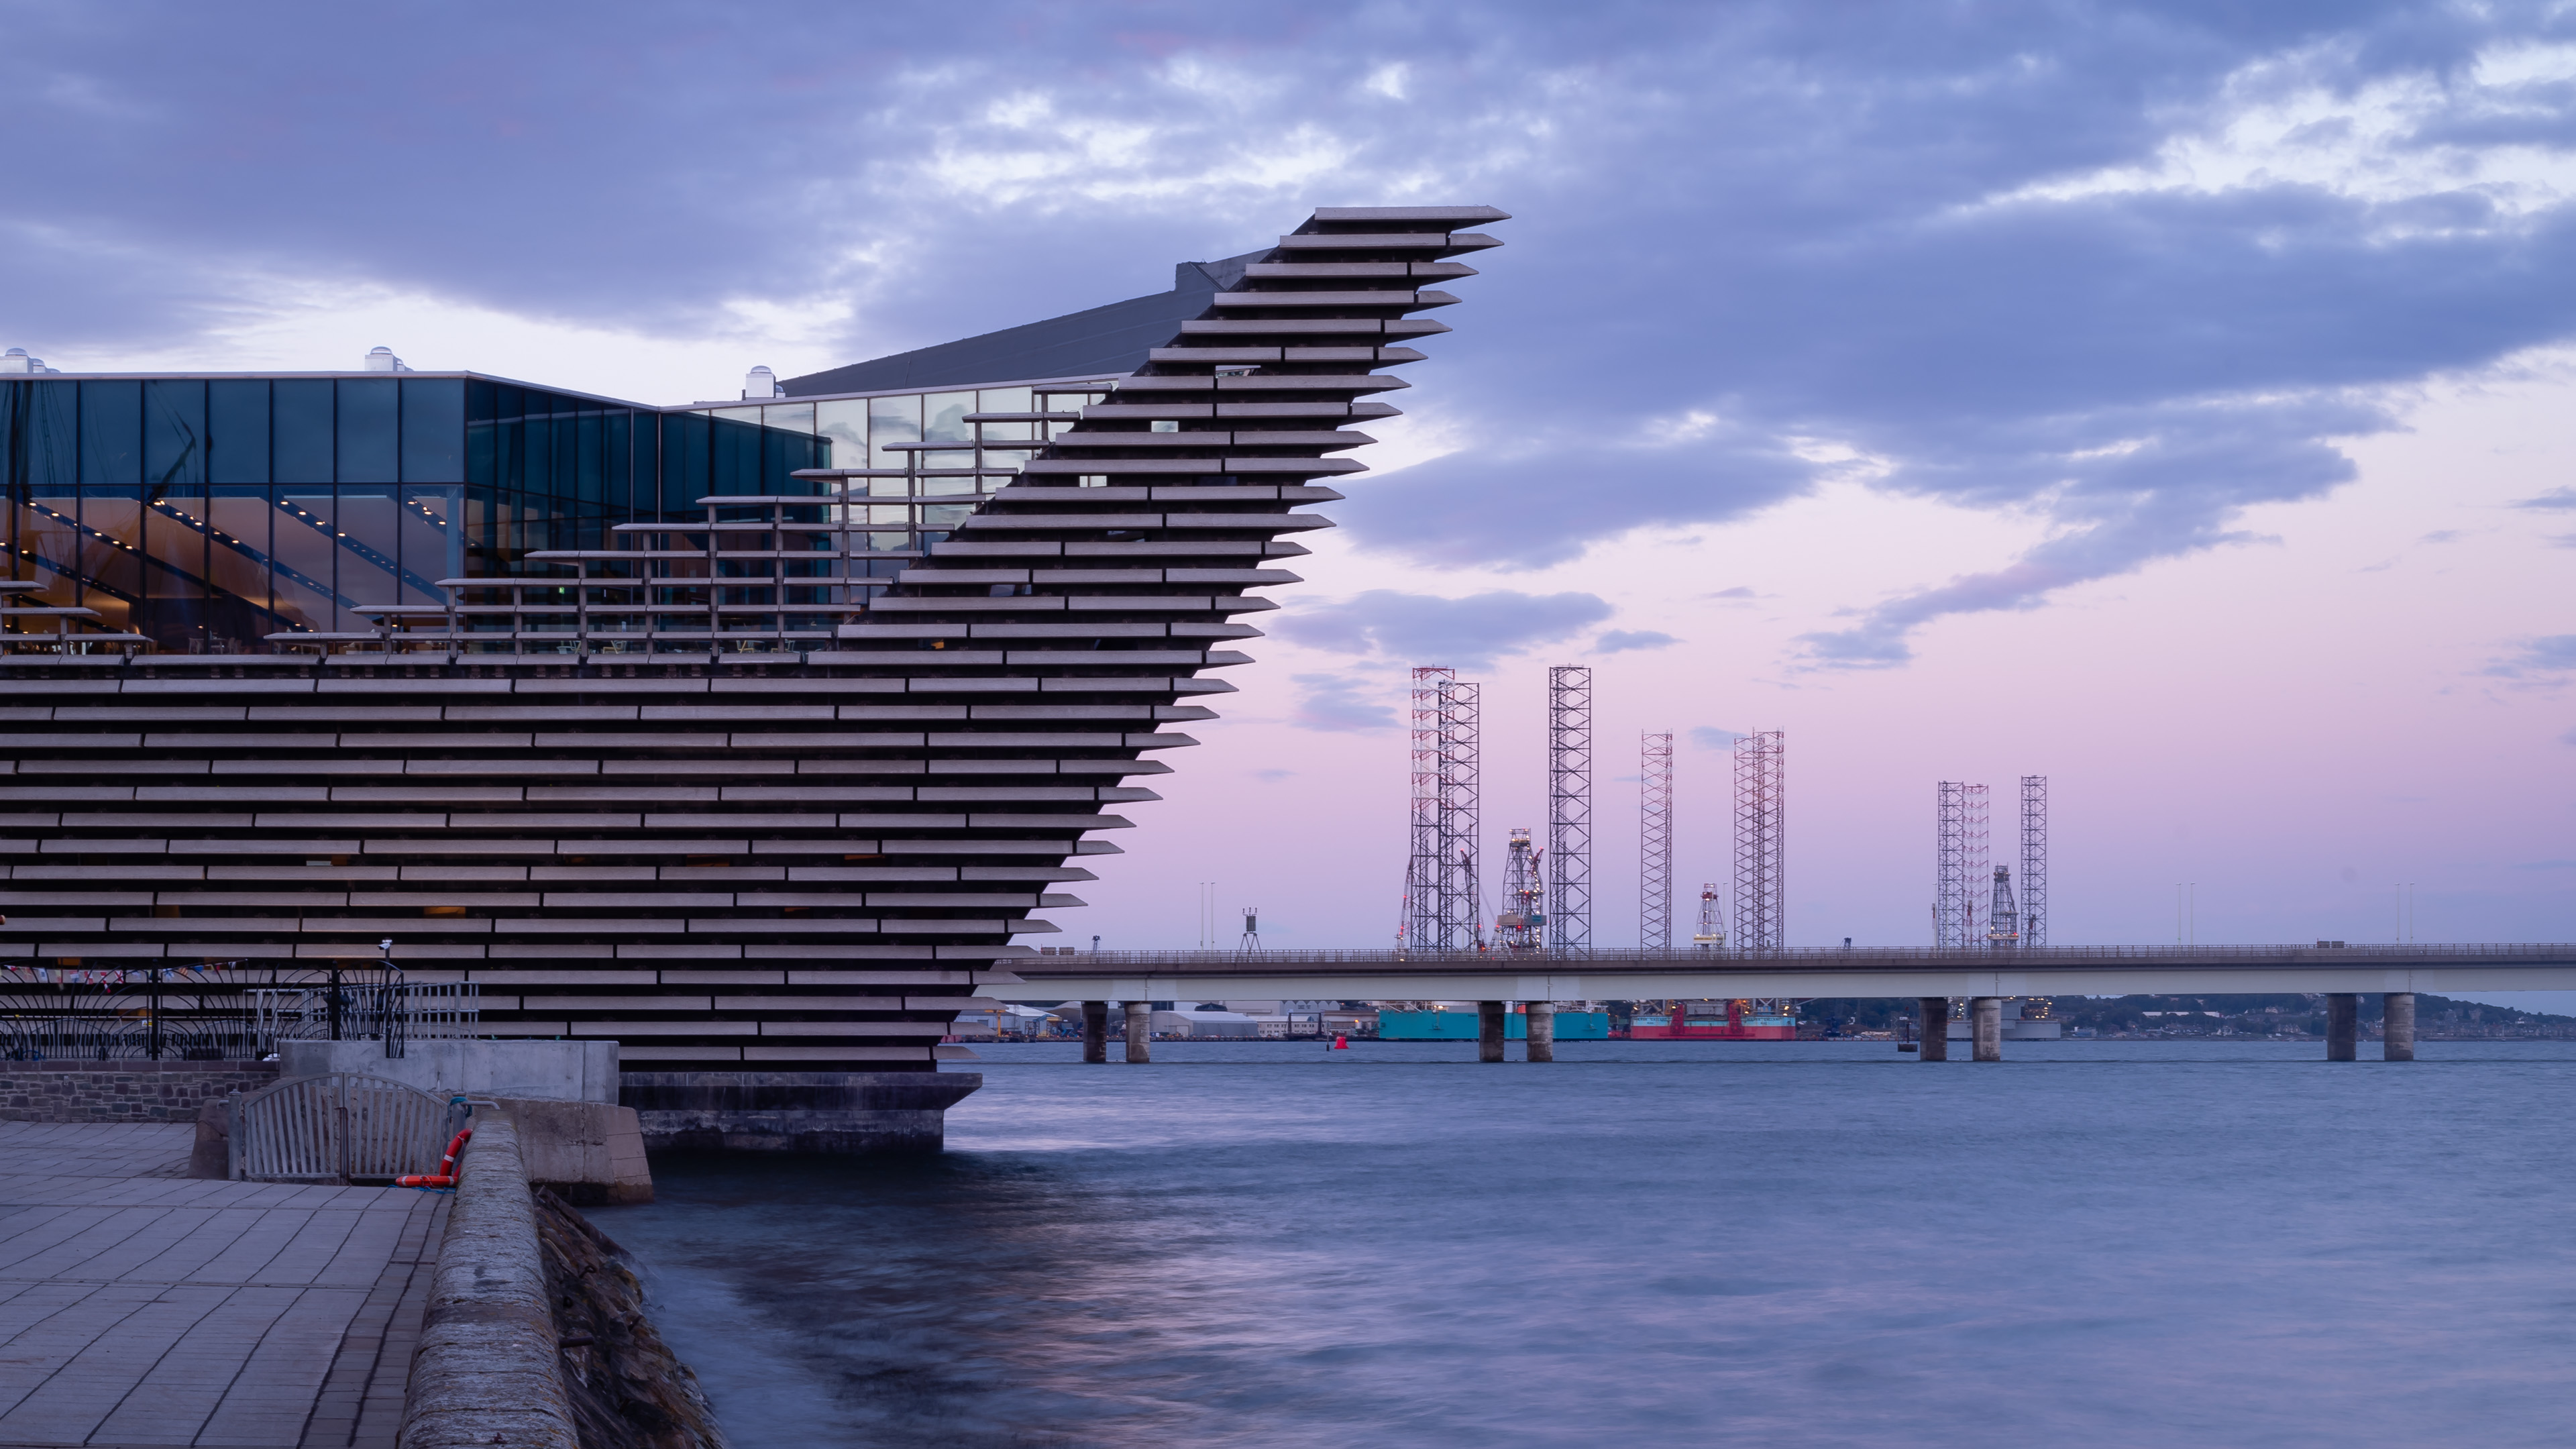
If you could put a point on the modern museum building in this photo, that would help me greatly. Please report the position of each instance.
(749, 735)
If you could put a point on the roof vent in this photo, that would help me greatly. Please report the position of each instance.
(17, 360)
(382, 359)
(761, 382)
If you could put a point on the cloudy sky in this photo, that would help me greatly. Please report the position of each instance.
(2174, 400)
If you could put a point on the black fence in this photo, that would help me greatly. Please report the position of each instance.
(216, 1013)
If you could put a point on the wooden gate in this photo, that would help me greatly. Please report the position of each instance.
(339, 1127)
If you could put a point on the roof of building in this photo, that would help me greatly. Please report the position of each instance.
(1098, 341)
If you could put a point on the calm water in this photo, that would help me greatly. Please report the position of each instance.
(1657, 1244)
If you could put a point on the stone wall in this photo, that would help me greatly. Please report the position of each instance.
(122, 1091)
(628, 1389)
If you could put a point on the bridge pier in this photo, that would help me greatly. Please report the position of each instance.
(1140, 1031)
(1986, 1027)
(1095, 1031)
(2343, 1011)
(1935, 1046)
(2397, 1027)
(1489, 1031)
(1542, 1030)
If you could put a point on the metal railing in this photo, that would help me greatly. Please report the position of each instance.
(1090, 963)
(226, 1012)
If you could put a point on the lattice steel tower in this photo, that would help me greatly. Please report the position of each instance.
(1440, 873)
(1522, 923)
(1655, 840)
(2034, 860)
(1711, 935)
(2003, 923)
(1569, 808)
(1961, 871)
(1761, 839)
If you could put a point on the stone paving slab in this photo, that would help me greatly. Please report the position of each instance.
(141, 1309)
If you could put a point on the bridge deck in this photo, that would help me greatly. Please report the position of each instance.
(1878, 972)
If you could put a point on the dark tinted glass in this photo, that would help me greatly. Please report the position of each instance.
(588, 464)
(685, 444)
(300, 438)
(237, 430)
(567, 452)
(433, 430)
(51, 442)
(617, 468)
(305, 550)
(782, 453)
(370, 445)
(369, 534)
(174, 434)
(237, 556)
(111, 433)
(536, 472)
(174, 555)
(433, 542)
(737, 458)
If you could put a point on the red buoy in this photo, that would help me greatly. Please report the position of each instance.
(1341, 1043)
(446, 1174)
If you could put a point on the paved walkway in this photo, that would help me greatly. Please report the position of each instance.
(140, 1307)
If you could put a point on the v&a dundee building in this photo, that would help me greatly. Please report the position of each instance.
(748, 735)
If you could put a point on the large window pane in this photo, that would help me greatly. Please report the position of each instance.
(843, 422)
(944, 417)
(370, 540)
(537, 454)
(589, 466)
(794, 417)
(370, 434)
(111, 434)
(45, 519)
(49, 421)
(174, 434)
(237, 566)
(1006, 400)
(892, 420)
(686, 442)
(174, 567)
(782, 454)
(109, 558)
(433, 429)
(237, 430)
(567, 460)
(617, 466)
(737, 458)
(305, 551)
(300, 429)
(433, 542)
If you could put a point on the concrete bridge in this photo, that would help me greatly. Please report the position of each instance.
(2338, 970)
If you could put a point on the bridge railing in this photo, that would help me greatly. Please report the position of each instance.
(1084, 963)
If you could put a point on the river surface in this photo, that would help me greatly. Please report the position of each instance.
(1652, 1243)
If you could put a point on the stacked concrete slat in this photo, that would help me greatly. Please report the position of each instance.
(778, 854)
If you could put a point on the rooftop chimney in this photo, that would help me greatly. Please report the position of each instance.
(761, 383)
(382, 359)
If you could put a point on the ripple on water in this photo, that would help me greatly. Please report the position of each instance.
(1654, 1243)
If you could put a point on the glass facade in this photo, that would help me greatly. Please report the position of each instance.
(209, 512)
(927, 456)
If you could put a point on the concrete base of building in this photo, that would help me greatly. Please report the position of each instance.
(549, 1071)
(834, 1112)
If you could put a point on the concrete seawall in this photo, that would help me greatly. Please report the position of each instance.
(489, 1370)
